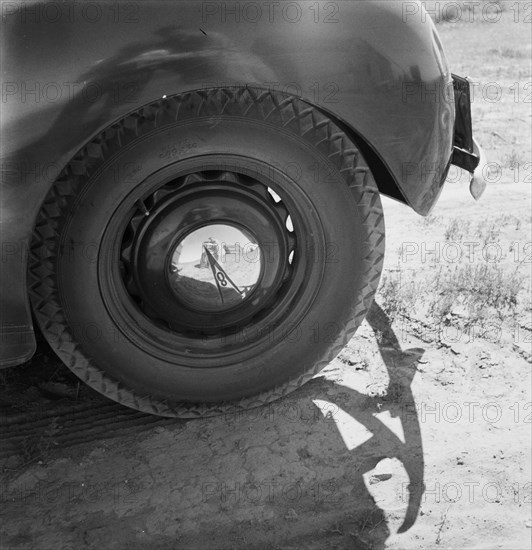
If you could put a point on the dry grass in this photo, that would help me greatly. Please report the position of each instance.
(488, 282)
(479, 288)
(457, 229)
(511, 53)
(515, 160)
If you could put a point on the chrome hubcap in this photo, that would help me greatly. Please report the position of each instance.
(208, 251)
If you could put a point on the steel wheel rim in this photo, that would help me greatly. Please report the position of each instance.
(254, 327)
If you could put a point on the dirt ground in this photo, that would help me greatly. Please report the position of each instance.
(433, 393)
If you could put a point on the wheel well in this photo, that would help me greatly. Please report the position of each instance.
(383, 177)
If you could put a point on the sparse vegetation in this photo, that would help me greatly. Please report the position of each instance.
(512, 53)
(488, 231)
(457, 228)
(430, 220)
(482, 289)
(391, 295)
(514, 160)
(486, 282)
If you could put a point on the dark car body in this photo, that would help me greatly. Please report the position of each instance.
(70, 69)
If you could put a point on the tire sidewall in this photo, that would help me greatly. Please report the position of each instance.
(299, 346)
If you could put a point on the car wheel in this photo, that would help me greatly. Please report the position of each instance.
(209, 252)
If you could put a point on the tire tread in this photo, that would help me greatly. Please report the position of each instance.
(279, 109)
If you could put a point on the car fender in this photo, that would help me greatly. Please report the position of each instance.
(71, 70)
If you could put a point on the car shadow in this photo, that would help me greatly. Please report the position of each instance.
(303, 472)
(309, 462)
(371, 530)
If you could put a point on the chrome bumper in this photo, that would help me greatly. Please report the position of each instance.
(477, 184)
(467, 153)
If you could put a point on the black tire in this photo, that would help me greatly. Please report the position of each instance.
(96, 283)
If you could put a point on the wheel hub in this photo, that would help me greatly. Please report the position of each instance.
(215, 268)
(207, 252)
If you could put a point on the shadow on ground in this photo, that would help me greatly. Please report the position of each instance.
(299, 473)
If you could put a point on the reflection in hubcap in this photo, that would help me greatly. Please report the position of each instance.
(208, 253)
(216, 267)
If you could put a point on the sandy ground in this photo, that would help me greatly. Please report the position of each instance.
(327, 467)
(409, 403)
